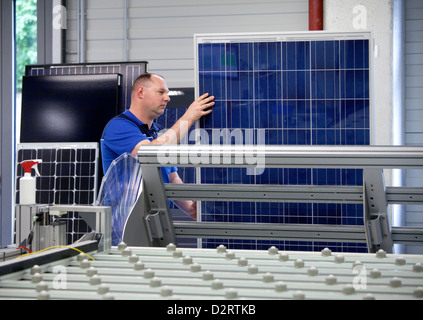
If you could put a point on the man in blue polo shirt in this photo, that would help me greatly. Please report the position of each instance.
(135, 127)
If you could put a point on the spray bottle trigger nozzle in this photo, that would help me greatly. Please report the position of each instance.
(31, 164)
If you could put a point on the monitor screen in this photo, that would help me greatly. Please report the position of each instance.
(68, 108)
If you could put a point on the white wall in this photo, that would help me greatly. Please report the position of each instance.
(376, 16)
(161, 31)
(414, 103)
(346, 15)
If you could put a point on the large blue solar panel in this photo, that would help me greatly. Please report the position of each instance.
(311, 90)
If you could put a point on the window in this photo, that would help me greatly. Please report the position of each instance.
(26, 47)
(26, 37)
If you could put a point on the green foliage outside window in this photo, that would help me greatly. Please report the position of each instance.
(26, 37)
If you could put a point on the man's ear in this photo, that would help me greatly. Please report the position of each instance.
(140, 92)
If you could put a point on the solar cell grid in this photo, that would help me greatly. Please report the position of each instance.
(299, 92)
(67, 177)
(128, 70)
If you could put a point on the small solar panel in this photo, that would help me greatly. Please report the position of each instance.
(67, 177)
(128, 70)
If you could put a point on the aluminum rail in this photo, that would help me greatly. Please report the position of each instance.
(357, 157)
(270, 231)
(287, 193)
(265, 193)
(406, 235)
(291, 232)
(404, 195)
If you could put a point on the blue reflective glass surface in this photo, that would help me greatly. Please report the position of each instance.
(300, 93)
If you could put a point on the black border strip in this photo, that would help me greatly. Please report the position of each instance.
(25, 263)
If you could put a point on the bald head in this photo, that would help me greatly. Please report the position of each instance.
(144, 80)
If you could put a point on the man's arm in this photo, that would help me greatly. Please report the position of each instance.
(197, 109)
(190, 207)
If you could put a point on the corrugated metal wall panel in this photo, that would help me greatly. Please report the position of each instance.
(161, 32)
(414, 101)
(414, 71)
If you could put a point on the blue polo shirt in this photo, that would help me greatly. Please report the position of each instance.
(122, 134)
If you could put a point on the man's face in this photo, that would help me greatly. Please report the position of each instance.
(156, 96)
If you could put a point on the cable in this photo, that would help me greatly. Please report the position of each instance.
(55, 247)
(24, 248)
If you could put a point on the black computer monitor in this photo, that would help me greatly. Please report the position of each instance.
(68, 108)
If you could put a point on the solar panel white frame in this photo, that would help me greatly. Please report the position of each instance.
(262, 37)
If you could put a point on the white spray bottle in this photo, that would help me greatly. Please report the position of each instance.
(28, 182)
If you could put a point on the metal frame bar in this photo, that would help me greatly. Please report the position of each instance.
(374, 195)
(376, 220)
(44, 31)
(265, 193)
(288, 193)
(404, 195)
(354, 157)
(406, 235)
(103, 221)
(270, 231)
(152, 208)
(7, 121)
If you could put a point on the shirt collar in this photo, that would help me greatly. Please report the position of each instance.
(153, 126)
